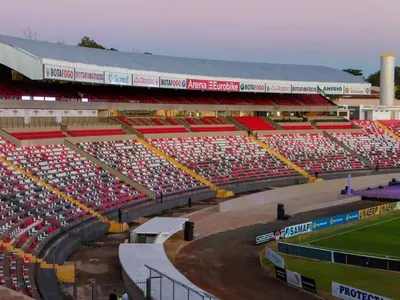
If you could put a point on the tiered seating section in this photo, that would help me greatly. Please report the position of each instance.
(313, 152)
(72, 174)
(162, 129)
(143, 166)
(328, 126)
(71, 92)
(297, 126)
(393, 125)
(224, 160)
(95, 132)
(254, 123)
(36, 135)
(213, 128)
(373, 143)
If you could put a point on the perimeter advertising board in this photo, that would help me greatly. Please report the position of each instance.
(145, 81)
(213, 85)
(117, 78)
(357, 90)
(252, 87)
(89, 76)
(377, 210)
(332, 89)
(335, 220)
(275, 258)
(58, 73)
(346, 292)
(298, 229)
(172, 83)
(278, 88)
(270, 236)
(304, 89)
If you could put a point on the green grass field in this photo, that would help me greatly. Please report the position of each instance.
(377, 236)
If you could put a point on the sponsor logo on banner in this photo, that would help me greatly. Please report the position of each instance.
(252, 87)
(278, 88)
(270, 236)
(280, 273)
(298, 229)
(213, 85)
(118, 78)
(335, 220)
(308, 284)
(398, 205)
(82, 75)
(304, 89)
(275, 258)
(332, 90)
(345, 292)
(387, 208)
(59, 73)
(368, 212)
(293, 278)
(173, 83)
(357, 90)
(148, 81)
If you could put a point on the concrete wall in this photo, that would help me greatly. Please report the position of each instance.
(93, 127)
(156, 106)
(122, 137)
(5, 135)
(313, 190)
(193, 134)
(33, 129)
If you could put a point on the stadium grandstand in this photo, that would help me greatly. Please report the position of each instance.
(91, 140)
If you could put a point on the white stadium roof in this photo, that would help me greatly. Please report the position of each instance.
(178, 65)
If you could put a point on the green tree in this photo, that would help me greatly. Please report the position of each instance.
(354, 72)
(89, 43)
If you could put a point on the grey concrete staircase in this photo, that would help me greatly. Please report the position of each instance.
(341, 144)
(272, 123)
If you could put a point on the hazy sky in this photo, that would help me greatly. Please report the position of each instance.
(337, 33)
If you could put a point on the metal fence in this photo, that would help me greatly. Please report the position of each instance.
(339, 257)
(166, 288)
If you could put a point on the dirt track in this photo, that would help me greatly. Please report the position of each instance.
(227, 264)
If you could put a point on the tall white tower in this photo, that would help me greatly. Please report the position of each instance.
(387, 78)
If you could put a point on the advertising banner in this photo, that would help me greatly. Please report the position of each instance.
(252, 87)
(332, 89)
(270, 236)
(345, 292)
(83, 75)
(293, 278)
(298, 229)
(278, 88)
(58, 73)
(357, 90)
(377, 210)
(173, 83)
(117, 78)
(275, 258)
(213, 85)
(280, 273)
(146, 81)
(304, 89)
(308, 284)
(335, 220)
(398, 205)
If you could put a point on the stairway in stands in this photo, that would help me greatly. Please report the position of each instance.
(221, 193)
(286, 161)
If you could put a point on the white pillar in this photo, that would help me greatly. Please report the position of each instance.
(387, 78)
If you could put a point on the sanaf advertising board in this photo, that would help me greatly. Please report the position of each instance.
(298, 229)
(59, 73)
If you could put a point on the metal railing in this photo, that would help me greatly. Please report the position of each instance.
(163, 287)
